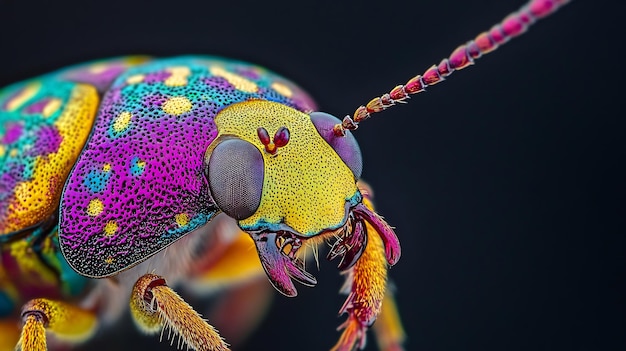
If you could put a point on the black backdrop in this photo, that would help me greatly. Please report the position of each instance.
(505, 182)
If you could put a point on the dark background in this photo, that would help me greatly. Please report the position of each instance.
(505, 183)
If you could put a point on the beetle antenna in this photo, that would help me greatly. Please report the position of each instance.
(512, 26)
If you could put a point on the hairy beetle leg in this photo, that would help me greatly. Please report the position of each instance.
(388, 327)
(366, 284)
(66, 322)
(156, 307)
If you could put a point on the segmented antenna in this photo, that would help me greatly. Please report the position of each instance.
(512, 26)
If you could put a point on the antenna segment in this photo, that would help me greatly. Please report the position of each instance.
(512, 26)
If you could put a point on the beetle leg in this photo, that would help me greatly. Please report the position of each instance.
(366, 287)
(66, 322)
(155, 306)
(388, 327)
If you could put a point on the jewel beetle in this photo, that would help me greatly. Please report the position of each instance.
(134, 169)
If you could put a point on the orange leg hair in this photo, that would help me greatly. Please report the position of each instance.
(388, 327)
(66, 322)
(368, 296)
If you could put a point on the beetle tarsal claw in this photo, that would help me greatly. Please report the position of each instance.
(350, 245)
(352, 239)
(277, 252)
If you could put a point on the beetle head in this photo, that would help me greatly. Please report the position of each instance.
(296, 186)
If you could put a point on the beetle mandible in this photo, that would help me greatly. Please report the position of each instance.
(106, 167)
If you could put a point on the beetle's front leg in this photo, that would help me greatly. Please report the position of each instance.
(366, 287)
(388, 327)
(66, 322)
(155, 306)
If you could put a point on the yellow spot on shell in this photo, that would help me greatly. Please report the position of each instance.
(106, 168)
(13, 153)
(137, 78)
(97, 68)
(110, 228)
(177, 105)
(109, 260)
(178, 77)
(179, 70)
(182, 219)
(141, 164)
(176, 81)
(37, 199)
(239, 82)
(3, 150)
(51, 107)
(121, 122)
(282, 89)
(95, 207)
(26, 94)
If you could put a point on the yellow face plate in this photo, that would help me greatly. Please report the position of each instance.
(306, 184)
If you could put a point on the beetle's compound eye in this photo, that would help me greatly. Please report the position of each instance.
(235, 173)
(346, 146)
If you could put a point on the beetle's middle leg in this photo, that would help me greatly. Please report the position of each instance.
(156, 307)
(388, 327)
(65, 321)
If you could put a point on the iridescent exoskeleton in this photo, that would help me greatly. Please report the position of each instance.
(145, 170)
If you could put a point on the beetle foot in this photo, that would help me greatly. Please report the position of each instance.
(353, 336)
(352, 239)
(155, 306)
(350, 244)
